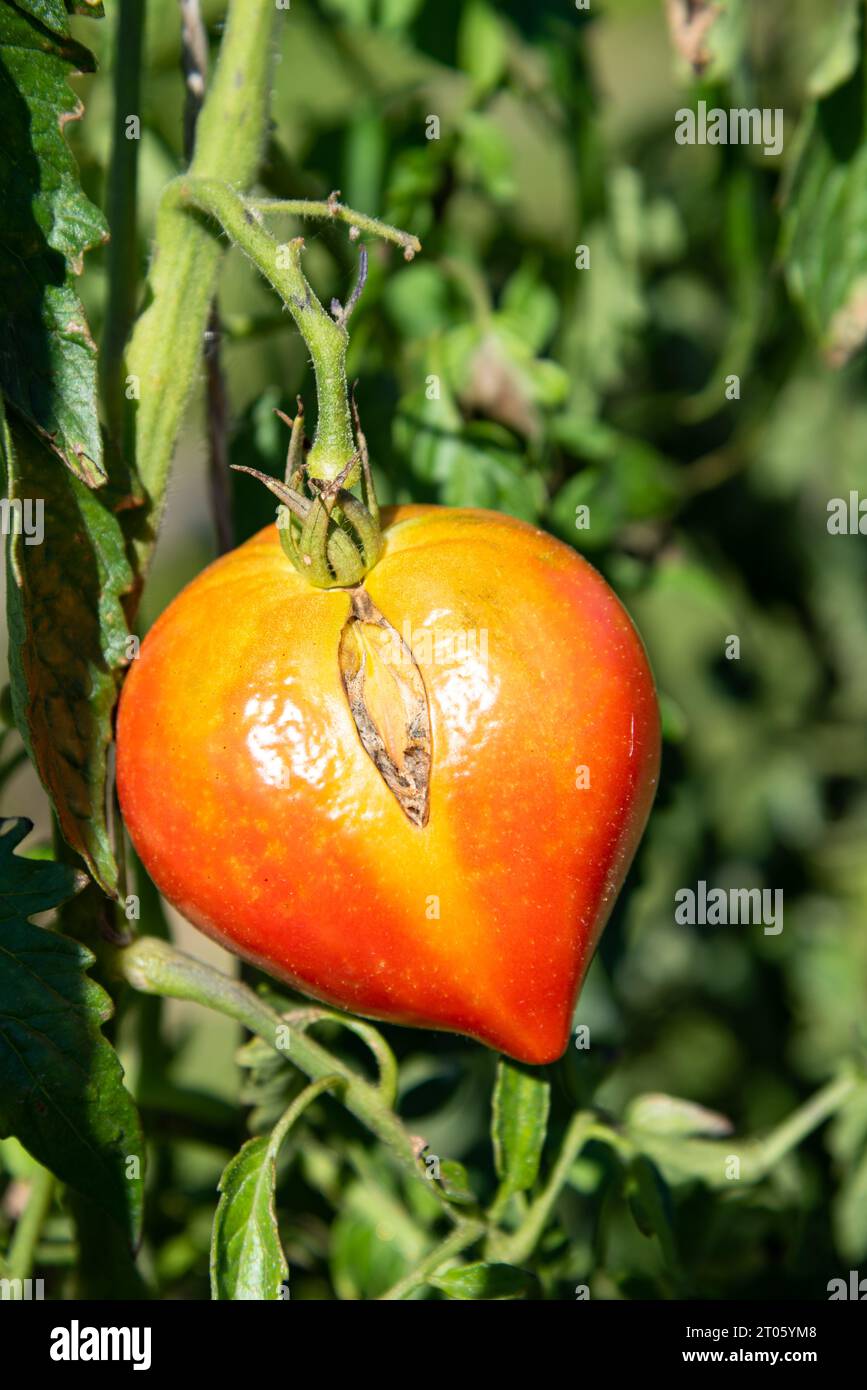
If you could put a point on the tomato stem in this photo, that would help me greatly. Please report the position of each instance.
(164, 354)
(338, 458)
(331, 208)
(326, 338)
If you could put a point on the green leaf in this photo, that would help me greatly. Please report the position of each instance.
(840, 47)
(61, 1084)
(519, 1124)
(374, 1241)
(268, 1085)
(416, 298)
(455, 1183)
(105, 1267)
(474, 465)
(636, 483)
(660, 1114)
(51, 13)
(486, 155)
(485, 471)
(482, 1281)
(529, 307)
(650, 1204)
(398, 14)
(68, 636)
(482, 50)
(247, 1260)
(825, 220)
(48, 362)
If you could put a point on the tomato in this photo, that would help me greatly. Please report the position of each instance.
(524, 725)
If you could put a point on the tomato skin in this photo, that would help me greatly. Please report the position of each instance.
(260, 816)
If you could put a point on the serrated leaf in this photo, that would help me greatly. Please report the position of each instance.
(61, 1084)
(825, 221)
(483, 1281)
(68, 637)
(519, 1124)
(48, 358)
(247, 1260)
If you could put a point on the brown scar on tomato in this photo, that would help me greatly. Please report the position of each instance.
(388, 702)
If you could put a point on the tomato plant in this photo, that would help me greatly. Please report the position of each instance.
(332, 522)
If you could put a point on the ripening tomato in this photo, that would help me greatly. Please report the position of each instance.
(415, 800)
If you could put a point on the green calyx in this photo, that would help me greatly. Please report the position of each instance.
(332, 537)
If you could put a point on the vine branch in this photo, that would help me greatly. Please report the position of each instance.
(335, 211)
(156, 967)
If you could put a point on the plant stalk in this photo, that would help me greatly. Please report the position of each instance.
(326, 339)
(22, 1249)
(514, 1248)
(804, 1120)
(165, 350)
(121, 207)
(330, 208)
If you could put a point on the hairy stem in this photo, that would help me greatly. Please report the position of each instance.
(121, 206)
(194, 59)
(327, 340)
(329, 208)
(165, 351)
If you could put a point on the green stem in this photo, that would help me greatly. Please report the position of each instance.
(156, 967)
(165, 350)
(804, 1120)
(304, 207)
(306, 1016)
(22, 1249)
(326, 339)
(121, 206)
(466, 1233)
(516, 1247)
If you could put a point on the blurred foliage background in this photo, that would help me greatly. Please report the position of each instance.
(564, 387)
